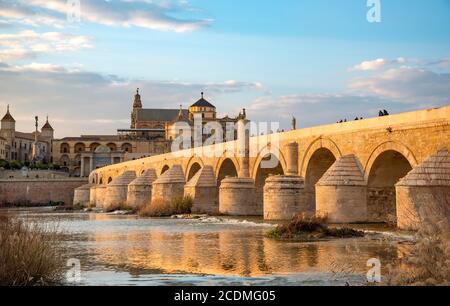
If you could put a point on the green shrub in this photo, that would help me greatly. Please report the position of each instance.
(302, 228)
(4, 164)
(16, 165)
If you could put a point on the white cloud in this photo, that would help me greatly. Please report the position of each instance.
(406, 84)
(81, 102)
(377, 64)
(154, 15)
(29, 44)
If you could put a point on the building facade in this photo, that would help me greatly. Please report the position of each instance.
(2, 148)
(19, 146)
(151, 133)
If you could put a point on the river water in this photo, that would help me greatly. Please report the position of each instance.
(127, 250)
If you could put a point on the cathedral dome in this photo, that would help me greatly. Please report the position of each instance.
(203, 103)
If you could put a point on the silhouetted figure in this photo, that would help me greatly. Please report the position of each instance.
(380, 114)
(361, 118)
(385, 113)
(341, 121)
(345, 120)
(356, 119)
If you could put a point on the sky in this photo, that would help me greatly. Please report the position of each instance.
(318, 60)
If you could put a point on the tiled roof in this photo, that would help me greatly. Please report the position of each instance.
(164, 115)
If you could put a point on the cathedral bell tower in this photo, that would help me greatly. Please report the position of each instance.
(137, 105)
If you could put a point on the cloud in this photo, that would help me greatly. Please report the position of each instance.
(316, 109)
(81, 102)
(406, 84)
(441, 63)
(377, 64)
(160, 15)
(29, 44)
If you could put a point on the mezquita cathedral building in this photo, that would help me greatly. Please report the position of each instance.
(151, 133)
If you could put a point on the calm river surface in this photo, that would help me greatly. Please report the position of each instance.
(127, 250)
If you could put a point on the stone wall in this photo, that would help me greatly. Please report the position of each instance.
(381, 204)
(33, 174)
(38, 192)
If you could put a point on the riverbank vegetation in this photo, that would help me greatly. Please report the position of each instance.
(429, 262)
(29, 254)
(16, 165)
(182, 205)
(313, 228)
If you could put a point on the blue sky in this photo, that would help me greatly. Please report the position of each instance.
(319, 60)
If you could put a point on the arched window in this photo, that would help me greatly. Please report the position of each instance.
(128, 148)
(80, 147)
(65, 148)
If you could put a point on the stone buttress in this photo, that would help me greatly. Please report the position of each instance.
(341, 194)
(117, 191)
(202, 188)
(82, 196)
(168, 187)
(140, 190)
(425, 193)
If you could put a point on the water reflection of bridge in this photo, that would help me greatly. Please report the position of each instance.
(228, 250)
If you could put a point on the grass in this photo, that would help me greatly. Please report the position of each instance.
(122, 207)
(28, 254)
(429, 262)
(182, 205)
(314, 228)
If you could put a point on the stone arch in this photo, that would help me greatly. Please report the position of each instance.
(164, 169)
(261, 174)
(64, 161)
(220, 160)
(269, 150)
(65, 148)
(226, 167)
(77, 160)
(320, 160)
(389, 146)
(112, 146)
(80, 147)
(126, 147)
(387, 164)
(93, 146)
(77, 171)
(317, 144)
(195, 164)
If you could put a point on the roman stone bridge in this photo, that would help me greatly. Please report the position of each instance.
(348, 171)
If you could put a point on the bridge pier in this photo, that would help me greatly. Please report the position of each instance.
(237, 196)
(117, 191)
(140, 190)
(82, 195)
(100, 196)
(425, 193)
(92, 196)
(202, 188)
(284, 198)
(168, 187)
(341, 194)
(284, 195)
